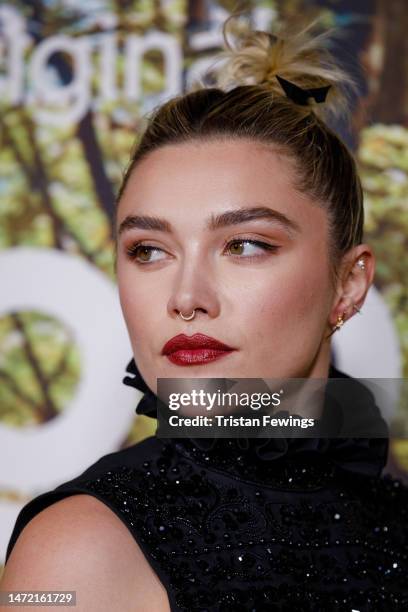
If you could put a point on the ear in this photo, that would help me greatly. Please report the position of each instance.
(353, 284)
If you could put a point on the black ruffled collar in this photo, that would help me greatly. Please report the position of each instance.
(364, 455)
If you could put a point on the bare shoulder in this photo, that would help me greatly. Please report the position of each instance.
(80, 544)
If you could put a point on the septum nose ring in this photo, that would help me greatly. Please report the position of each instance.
(189, 317)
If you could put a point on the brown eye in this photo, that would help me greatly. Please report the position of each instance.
(235, 247)
(142, 253)
(237, 244)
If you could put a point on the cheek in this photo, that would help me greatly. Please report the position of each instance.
(135, 303)
(312, 288)
(285, 302)
(136, 308)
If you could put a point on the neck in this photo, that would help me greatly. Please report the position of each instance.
(320, 366)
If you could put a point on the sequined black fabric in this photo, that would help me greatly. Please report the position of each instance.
(253, 526)
(312, 539)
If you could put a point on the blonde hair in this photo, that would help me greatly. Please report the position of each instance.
(247, 101)
(258, 57)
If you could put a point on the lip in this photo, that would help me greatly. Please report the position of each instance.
(195, 350)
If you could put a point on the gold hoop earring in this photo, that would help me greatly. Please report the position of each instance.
(340, 321)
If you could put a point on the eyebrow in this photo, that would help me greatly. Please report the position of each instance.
(214, 222)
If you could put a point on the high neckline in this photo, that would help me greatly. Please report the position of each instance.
(363, 455)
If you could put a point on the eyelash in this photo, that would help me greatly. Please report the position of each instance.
(132, 250)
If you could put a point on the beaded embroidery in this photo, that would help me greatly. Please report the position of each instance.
(315, 539)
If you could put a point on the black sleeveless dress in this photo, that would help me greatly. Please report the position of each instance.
(257, 525)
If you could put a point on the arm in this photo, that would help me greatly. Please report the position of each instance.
(79, 544)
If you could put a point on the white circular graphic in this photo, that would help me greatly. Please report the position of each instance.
(99, 415)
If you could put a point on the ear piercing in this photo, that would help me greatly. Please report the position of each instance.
(340, 318)
(340, 321)
(361, 264)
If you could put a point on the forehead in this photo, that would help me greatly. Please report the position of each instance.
(188, 182)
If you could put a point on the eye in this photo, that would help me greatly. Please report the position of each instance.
(255, 244)
(141, 252)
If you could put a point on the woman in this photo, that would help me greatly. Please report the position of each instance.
(239, 228)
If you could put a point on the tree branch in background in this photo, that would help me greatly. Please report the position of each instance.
(103, 188)
(13, 386)
(393, 85)
(47, 409)
(61, 366)
(38, 182)
(40, 16)
(31, 178)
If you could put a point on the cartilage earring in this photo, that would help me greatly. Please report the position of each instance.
(361, 263)
(357, 309)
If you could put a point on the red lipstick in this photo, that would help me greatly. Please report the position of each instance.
(194, 350)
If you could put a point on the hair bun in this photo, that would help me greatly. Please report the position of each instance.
(258, 57)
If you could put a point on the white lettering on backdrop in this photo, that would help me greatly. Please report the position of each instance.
(58, 103)
(30, 79)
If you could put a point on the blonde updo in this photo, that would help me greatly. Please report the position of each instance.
(258, 57)
(248, 102)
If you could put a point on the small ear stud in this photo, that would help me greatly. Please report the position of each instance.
(361, 263)
(357, 309)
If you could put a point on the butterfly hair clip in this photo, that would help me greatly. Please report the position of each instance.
(300, 95)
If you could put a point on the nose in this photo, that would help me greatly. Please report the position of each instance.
(194, 288)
